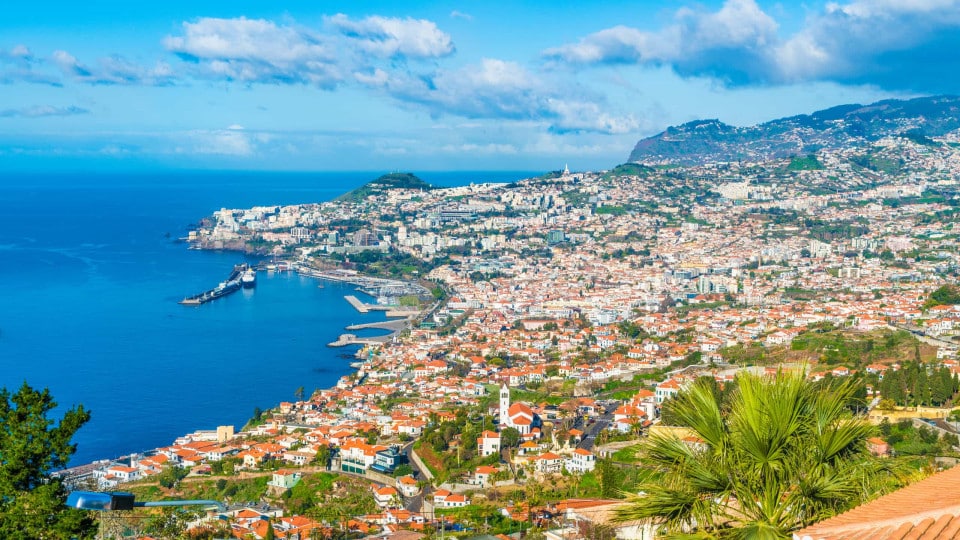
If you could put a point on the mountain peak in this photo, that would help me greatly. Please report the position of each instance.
(705, 141)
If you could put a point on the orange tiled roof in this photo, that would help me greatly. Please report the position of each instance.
(926, 510)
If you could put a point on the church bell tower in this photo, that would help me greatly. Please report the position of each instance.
(504, 404)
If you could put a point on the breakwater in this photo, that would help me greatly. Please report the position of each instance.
(230, 285)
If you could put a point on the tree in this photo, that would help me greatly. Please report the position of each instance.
(509, 437)
(32, 445)
(171, 475)
(323, 456)
(298, 393)
(786, 454)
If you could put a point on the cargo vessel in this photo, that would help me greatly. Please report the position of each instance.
(231, 284)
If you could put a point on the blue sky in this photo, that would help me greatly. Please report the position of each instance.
(365, 85)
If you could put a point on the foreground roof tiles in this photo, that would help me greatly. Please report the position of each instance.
(926, 510)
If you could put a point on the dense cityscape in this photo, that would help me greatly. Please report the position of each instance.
(480, 270)
(547, 325)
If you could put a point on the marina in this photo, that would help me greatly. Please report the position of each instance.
(352, 339)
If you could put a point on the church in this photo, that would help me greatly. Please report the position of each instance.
(519, 415)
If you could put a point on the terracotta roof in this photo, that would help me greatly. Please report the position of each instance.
(926, 510)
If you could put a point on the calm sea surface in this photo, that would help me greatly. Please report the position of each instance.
(90, 276)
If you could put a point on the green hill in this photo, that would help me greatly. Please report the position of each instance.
(385, 183)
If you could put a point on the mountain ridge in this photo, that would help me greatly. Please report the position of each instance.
(710, 140)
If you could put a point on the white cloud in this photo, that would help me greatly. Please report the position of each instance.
(24, 67)
(689, 44)
(495, 88)
(256, 50)
(20, 51)
(39, 111)
(588, 116)
(457, 14)
(387, 36)
(895, 44)
(378, 78)
(502, 89)
(484, 149)
(230, 142)
(112, 70)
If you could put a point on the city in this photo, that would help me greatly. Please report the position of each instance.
(556, 316)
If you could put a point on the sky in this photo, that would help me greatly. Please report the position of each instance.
(437, 85)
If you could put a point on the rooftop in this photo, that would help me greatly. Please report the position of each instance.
(926, 510)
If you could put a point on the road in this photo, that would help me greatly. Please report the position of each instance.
(590, 434)
(415, 504)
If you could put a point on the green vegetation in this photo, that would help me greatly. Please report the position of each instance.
(384, 183)
(806, 163)
(628, 169)
(909, 440)
(330, 497)
(450, 447)
(575, 198)
(945, 295)
(828, 231)
(833, 346)
(31, 446)
(919, 384)
(393, 265)
(670, 414)
(611, 210)
(917, 136)
(878, 163)
(752, 354)
(783, 455)
(304, 496)
(627, 454)
(684, 310)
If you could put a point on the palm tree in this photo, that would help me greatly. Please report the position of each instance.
(782, 454)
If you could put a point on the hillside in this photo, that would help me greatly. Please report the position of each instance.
(385, 183)
(704, 141)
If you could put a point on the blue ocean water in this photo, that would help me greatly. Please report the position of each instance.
(90, 276)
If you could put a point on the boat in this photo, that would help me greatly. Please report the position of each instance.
(233, 283)
(249, 278)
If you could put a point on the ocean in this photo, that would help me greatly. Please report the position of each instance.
(91, 272)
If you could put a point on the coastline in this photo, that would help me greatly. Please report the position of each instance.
(396, 325)
(117, 273)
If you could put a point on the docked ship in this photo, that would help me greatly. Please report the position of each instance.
(233, 283)
(249, 278)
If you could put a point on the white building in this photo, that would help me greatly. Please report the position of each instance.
(582, 461)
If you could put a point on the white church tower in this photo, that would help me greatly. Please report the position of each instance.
(504, 405)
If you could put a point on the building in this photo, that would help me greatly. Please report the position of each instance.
(408, 486)
(667, 389)
(386, 461)
(518, 415)
(586, 514)
(488, 443)
(483, 476)
(581, 461)
(878, 447)
(928, 509)
(547, 463)
(386, 496)
(284, 479)
(443, 498)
